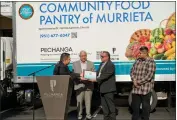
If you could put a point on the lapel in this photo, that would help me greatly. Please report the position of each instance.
(87, 66)
(99, 68)
(104, 67)
(79, 67)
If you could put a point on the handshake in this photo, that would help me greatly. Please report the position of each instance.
(82, 78)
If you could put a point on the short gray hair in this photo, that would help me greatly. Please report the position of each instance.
(82, 51)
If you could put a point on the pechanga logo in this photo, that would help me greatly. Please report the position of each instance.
(114, 55)
(52, 84)
(26, 11)
(54, 93)
(113, 50)
(57, 49)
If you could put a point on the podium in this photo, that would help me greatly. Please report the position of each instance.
(55, 92)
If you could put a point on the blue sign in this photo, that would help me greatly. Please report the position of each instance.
(26, 11)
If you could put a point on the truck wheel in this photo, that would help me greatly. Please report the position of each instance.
(153, 101)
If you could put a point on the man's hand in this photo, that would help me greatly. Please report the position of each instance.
(82, 74)
(82, 78)
(136, 84)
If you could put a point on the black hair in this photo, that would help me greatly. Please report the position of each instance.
(144, 48)
(64, 56)
(108, 54)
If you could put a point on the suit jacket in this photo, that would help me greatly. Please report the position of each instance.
(62, 69)
(107, 80)
(82, 85)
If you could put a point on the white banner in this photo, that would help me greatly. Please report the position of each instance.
(46, 29)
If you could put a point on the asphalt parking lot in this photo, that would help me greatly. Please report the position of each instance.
(161, 113)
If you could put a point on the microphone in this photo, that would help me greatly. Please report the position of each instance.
(41, 69)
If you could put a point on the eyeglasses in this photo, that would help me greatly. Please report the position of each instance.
(102, 56)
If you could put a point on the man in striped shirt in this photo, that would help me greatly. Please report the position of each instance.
(142, 75)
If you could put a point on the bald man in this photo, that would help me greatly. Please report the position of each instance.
(83, 88)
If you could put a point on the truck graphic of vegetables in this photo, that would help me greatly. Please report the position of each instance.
(161, 42)
(139, 38)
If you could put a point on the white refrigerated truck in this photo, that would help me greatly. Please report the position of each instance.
(44, 30)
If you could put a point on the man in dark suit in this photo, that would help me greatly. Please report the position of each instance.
(107, 86)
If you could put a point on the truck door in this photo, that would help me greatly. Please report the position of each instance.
(6, 54)
(2, 61)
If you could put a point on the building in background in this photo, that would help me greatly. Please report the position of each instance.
(6, 19)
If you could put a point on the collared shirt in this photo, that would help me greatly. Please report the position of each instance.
(143, 71)
(102, 66)
(83, 65)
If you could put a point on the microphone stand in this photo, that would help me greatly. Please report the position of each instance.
(34, 74)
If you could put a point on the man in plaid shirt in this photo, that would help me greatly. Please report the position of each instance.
(142, 75)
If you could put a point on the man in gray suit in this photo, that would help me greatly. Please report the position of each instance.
(83, 88)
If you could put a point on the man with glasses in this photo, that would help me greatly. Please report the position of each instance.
(83, 88)
(107, 86)
(142, 75)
